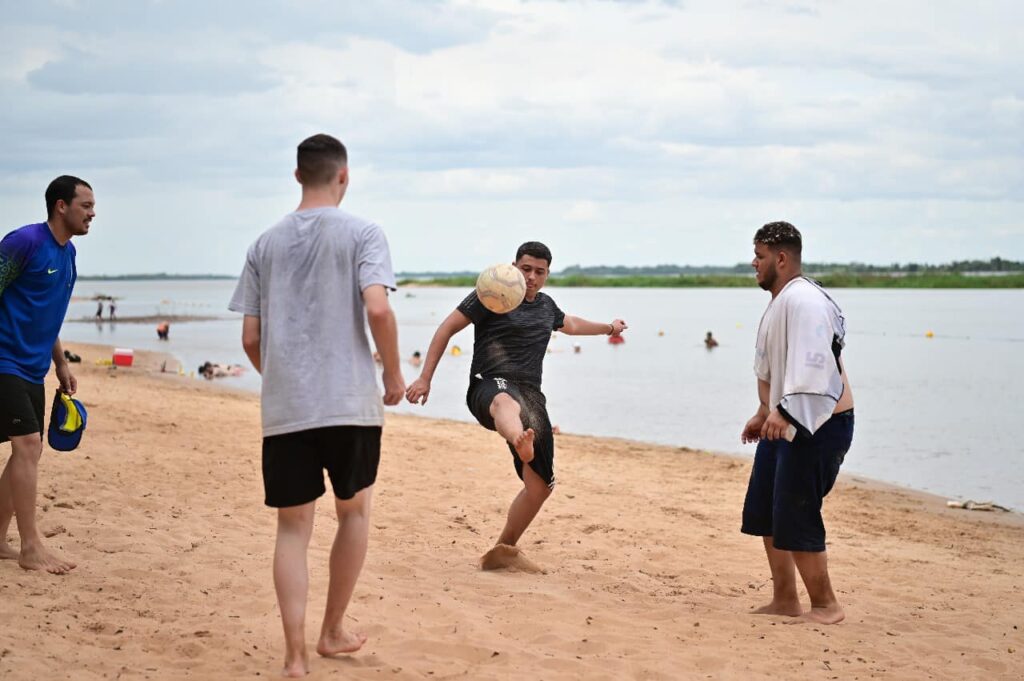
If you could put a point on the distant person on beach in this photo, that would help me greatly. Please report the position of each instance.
(505, 385)
(163, 330)
(803, 426)
(210, 370)
(99, 310)
(321, 408)
(710, 342)
(416, 359)
(37, 276)
(113, 310)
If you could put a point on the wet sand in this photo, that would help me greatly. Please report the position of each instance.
(645, 573)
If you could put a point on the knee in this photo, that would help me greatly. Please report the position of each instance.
(503, 402)
(296, 519)
(28, 449)
(356, 507)
(539, 490)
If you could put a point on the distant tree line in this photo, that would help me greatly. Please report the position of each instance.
(996, 264)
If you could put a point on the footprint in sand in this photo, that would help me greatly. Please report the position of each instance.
(505, 557)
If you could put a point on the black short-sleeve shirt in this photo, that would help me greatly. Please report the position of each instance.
(512, 345)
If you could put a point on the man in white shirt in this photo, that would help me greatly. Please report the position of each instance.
(310, 285)
(803, 426)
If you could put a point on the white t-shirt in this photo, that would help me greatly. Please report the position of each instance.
(798, 344)
(304, 279)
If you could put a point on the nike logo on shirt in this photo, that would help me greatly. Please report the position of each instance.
(49, 271)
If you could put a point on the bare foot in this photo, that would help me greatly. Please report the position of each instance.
(832, 614)
(787, 608)
(38, 558)
(340, 643)
(524, 445)
(295, 668)
(505, 557)
(8, 553)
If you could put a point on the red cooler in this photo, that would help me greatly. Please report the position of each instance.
(123, 357)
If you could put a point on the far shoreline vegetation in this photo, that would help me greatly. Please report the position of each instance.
(978, 274)
(994, 273)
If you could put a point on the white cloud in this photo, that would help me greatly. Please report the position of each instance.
(670, 130)
(582, 212)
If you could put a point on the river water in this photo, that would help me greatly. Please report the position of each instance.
(933, 413)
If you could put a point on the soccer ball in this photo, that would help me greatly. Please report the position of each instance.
(501, 288)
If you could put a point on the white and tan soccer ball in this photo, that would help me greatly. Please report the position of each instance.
(501, 288)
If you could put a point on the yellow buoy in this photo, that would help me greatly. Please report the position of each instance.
(929, 334)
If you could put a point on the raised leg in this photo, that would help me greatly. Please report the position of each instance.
(505, 412)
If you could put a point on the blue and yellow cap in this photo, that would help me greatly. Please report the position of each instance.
(67, 423)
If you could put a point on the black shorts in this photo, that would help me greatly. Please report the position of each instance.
(789, 481)
(22, 405)
(533, 413)
(294, 463)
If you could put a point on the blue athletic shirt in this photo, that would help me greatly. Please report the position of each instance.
(37, 276)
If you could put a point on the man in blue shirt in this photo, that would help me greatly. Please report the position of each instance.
(37, 275)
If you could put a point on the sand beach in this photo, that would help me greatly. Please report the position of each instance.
(646, 575)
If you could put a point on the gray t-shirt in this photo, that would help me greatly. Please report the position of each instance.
(304, 279)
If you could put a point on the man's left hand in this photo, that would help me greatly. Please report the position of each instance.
(775, 426)
(68, 382)
(618, 326)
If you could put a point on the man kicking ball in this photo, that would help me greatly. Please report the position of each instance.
(505, 384)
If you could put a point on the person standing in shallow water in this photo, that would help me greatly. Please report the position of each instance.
(37, 276)
(505, 385)
(320, 410)
(803, 426)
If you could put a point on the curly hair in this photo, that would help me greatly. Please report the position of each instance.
(780, 235)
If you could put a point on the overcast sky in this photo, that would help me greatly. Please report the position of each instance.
(617, 132)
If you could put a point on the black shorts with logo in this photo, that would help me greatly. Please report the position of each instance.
(533, 414)
(294, 463)
(22, 405)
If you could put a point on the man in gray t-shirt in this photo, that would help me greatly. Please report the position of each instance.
(310, 285)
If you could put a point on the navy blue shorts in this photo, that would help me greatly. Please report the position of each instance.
(789, 481)
(533, 413)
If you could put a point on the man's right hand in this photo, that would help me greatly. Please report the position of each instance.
(752, 431)
(418, 391)
(394, 388)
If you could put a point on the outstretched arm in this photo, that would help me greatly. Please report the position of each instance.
(576, 326)
(419, 390)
